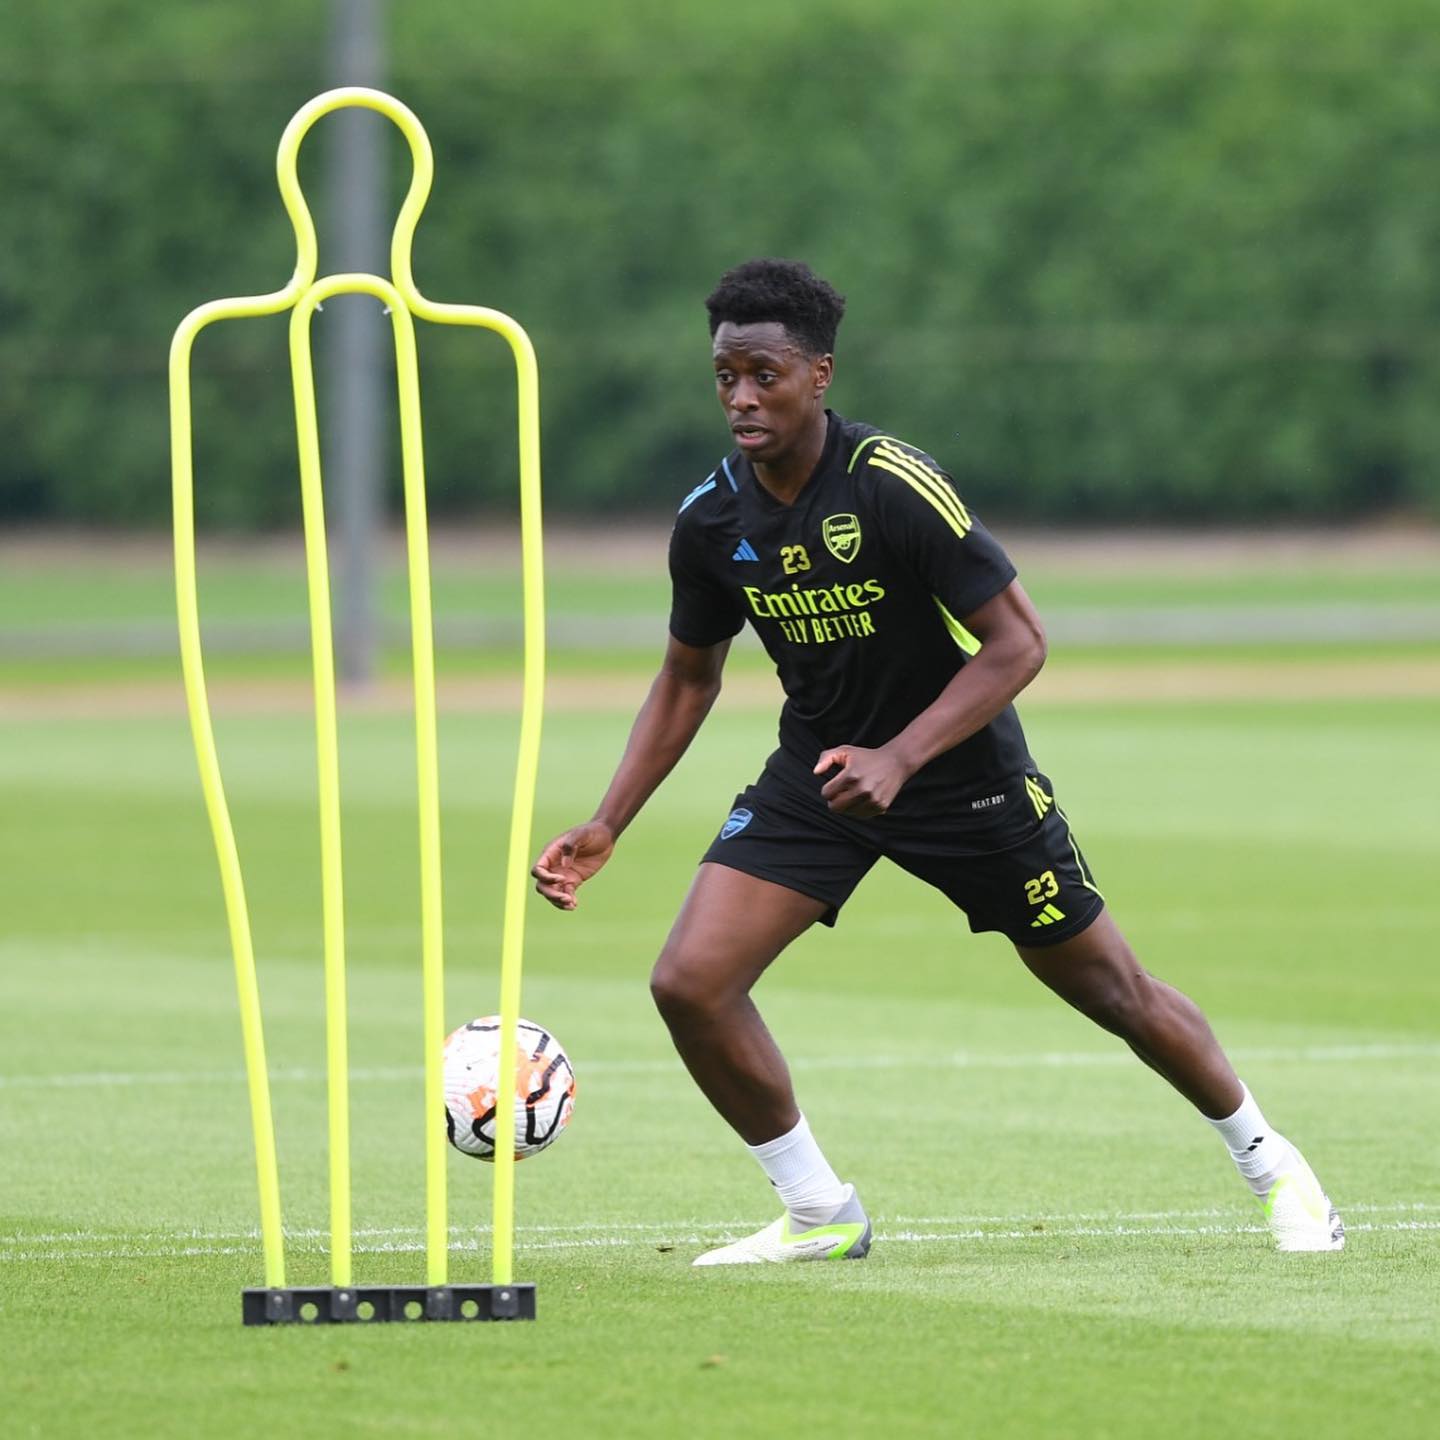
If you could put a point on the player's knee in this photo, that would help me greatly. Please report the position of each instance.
(681, 991)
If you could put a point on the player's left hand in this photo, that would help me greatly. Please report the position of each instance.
(867, 783)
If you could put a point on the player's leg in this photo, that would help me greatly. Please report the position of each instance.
(1035, 888)
(1097, 972)
(731, 926)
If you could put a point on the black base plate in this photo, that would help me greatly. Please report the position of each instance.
(372, 1304)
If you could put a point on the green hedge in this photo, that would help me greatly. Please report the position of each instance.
(1107, 261)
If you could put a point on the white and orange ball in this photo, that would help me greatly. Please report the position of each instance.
(544, 1087)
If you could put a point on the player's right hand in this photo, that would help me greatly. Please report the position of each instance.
(571, 859)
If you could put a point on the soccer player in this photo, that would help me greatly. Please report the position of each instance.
(901, 636)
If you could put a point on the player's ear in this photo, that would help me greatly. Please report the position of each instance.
(822, 368)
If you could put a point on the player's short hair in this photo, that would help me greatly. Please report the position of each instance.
(785, 292)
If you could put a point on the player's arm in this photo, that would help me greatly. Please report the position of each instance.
(679, 700)
(963, 566)
(1012, 650)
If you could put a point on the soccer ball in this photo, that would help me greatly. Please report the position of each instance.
(544, 1087)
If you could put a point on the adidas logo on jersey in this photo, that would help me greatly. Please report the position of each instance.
(745, 552)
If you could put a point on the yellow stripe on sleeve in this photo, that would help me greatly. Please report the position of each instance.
(930, 478)
(855, 453)
(946, 514)
(936, 481)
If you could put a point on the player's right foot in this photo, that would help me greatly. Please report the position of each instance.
(844, 1236)
(1299, 1212)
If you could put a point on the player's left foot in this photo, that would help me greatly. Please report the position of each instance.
(844, 1236)
(1299, 1212)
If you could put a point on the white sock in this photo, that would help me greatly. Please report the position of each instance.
(1257, 1150)
(809, 1189)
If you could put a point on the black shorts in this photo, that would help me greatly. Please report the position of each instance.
(1008, 859)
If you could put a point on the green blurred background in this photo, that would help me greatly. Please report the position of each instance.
(1109, 260)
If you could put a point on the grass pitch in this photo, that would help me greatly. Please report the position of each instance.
(1062, 1248)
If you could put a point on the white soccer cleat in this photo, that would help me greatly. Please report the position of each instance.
(845, 1236)
(1299, 1212)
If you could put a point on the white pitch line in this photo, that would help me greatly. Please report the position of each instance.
(1408, 1207)
(955, 1060)
(85, 1237)
(664, 1227)
(1081, 1221)
(674, 1239)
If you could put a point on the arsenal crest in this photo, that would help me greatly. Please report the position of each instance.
(841, 534)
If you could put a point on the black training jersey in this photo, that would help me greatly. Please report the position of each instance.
(856, 590)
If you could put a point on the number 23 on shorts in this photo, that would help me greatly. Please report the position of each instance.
(1042, 888)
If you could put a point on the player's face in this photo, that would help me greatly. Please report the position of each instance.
(771, 391)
